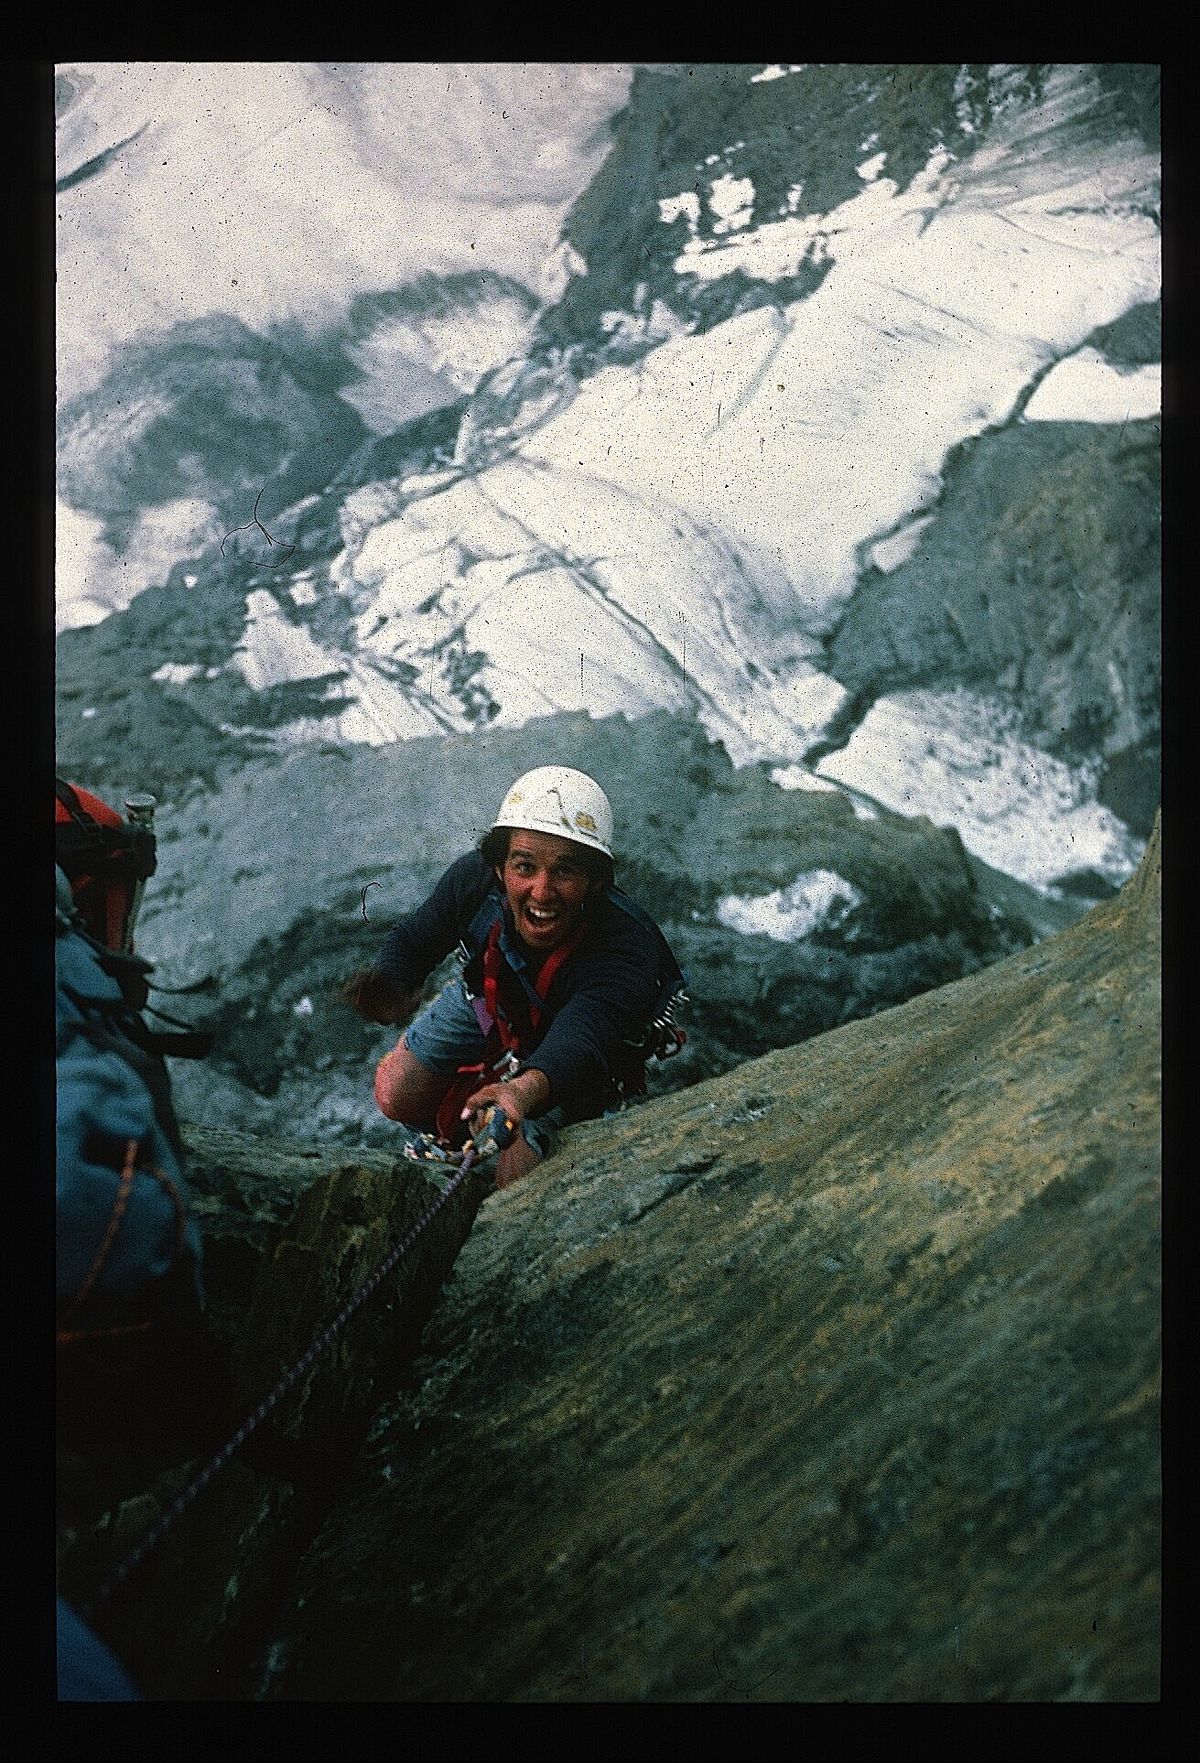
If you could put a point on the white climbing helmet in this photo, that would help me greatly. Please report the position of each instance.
(555, 799)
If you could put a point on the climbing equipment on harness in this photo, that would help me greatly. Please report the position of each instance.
(557, 799)
(503, 1057)
(661, 1040)
(497, 1135)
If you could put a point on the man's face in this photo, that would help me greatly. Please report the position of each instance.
(546, 882)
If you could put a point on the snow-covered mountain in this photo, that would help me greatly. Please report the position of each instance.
(814, 405)
(770, 364)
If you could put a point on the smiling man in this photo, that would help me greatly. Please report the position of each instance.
(566, 985)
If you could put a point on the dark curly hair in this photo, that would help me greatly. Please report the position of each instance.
(493, 847)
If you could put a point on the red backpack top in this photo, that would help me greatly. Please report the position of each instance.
(105, 859)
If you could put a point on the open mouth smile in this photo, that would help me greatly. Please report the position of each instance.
(542, 916)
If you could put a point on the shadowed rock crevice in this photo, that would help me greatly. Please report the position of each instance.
(293, 1238)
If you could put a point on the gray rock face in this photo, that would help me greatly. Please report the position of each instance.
(207, 409)
(835, 1378)
(1072, 639)
(1037, 576)
(832, 1378)
(684, 116)
(377, 827)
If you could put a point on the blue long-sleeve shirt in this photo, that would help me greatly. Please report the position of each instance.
(604, 993)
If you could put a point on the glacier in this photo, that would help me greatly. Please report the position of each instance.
(677, 519)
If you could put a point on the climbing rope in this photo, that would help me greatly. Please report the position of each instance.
(195, 1487)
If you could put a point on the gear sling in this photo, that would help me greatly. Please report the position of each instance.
(660, 1039)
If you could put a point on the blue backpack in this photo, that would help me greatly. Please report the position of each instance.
(128, 1250)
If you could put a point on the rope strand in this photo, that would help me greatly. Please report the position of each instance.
(181, 1503)
(120, 1203)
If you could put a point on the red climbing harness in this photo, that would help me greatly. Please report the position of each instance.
(504, 1041)
(492, 968)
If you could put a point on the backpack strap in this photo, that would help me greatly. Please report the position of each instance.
(475, 937)
(130, 972)
(535, 992)
(503, 1053)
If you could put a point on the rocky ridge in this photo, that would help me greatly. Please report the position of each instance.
(835, 1378)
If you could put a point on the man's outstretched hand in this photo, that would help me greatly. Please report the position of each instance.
(377, 999)
(527, 1093)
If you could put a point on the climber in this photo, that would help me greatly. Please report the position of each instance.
(127, 1251)
(566, 986)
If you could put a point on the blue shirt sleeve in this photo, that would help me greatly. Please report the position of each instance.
(613, 992)
(417, 942)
